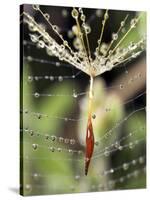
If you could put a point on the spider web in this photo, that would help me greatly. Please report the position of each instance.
(54, 117)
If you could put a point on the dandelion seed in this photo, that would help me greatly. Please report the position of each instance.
(107, 56)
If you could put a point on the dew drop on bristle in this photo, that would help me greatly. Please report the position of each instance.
(75, 13)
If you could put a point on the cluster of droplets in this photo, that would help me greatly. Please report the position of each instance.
(105, 135)
(107, 151)
(51, 138)
(105, 57)
(51, 78)
(125, 166)
(110, 185)
(57, 149)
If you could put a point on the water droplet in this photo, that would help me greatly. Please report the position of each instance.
(49, 51)
(36, 7)
(51, 78)
(32, 27)
(28, 187)
(66, 119)
(134, 162)
(105, 173)
(130, 134)
(70, 151)
(41, 44)
(141, 160)
(122, 23)
(79, 152)
(117, 145)
(132, 46)
(136, 173)
(60, 139)
(123, 30)
(80, 10)
(36, 176)
(70, 34)
(87, 29)
(66, 140)
(55, 28)
(106, 16)
(26, 129)
(31, 132)
(36, 94)
(120, 148)
(77, 177)
(111, 171)
(72, 141)
(24, 42)
(47, 16)
(26, 111)
(46, 137)
(64, 13)
(133, 23)
(29, 58)
(39, 116)
(53, 138)
(94, 116)
(106, 153)
(98, 13)
(134, 55)
(125, 166)
(107, 109)
(121, 180)
(121, 86)
(52, 149)
(34, 146)
(74, 13)
(57, 64)
(59, 149)
(36, 78)
(60, 78)
(128, 176)
(75, 94)
(62, 47)
(34, 38)
(82, 17)
(114, 36)
(46, 77)
(131, 145)
(30, 78)
(65, 42)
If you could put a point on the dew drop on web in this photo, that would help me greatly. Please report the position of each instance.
(35, 146)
